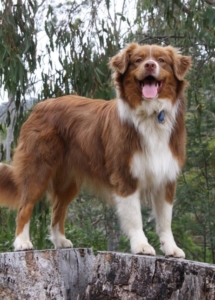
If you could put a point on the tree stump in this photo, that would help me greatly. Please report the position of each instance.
(43, 275)
(136, 277)
(76, 274)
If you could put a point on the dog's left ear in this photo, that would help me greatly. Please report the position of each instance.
(120, 61)
(181, 64)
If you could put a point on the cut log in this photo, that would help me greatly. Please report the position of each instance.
(135, 277)
(75, 274)
(43, 275)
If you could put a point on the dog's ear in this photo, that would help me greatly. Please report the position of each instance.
(120, 61)
(181, 64)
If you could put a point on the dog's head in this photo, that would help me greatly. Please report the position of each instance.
(142, 73)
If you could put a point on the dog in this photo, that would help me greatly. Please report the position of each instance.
(131, 149)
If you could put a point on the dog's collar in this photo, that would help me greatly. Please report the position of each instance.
(161, 116)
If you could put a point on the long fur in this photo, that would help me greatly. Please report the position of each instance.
(118, 146)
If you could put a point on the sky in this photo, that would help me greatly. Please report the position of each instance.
(42, 40)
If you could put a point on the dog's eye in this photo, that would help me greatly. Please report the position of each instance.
(160, 59)
(138, 60)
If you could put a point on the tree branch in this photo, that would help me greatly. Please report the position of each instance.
(11, 99)
(210, 2)
(183, 6)
(160, 37)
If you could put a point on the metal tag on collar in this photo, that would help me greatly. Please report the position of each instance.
(161, 116)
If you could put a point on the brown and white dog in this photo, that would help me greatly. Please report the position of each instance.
(132, 148)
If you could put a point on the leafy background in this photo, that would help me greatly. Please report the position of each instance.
(49, 49)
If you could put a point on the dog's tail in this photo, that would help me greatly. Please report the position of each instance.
(9, 195)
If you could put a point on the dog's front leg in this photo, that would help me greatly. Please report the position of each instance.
(162, 208)
(129, 212)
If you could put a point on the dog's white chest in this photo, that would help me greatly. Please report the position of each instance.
(155, 164)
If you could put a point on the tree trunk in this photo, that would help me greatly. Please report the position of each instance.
(43, 275)
(9, 136)
(75, 274)
(135, 277)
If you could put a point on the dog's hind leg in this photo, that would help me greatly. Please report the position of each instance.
(33, 182)
(22, 241)
(39, 153)
(61, 200)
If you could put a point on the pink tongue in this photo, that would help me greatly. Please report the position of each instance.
(149, 91)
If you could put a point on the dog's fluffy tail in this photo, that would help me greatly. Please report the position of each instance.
(9, 195)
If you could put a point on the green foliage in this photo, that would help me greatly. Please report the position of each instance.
(91, 222)
(40, 224)
(17, 46)
(7, 221)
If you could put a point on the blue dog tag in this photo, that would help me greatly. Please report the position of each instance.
(161, 116)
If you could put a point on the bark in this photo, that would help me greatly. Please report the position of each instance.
(43, 275)
(10, 128)
(135, 277)
(76, 274)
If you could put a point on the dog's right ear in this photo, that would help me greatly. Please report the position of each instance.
(120, 61)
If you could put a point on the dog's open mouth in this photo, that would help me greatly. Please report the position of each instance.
(150, 87)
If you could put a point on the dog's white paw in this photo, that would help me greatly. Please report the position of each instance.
(172, 251)
(58, 239)
(21, 244)
(61, 242)
(142, 248)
